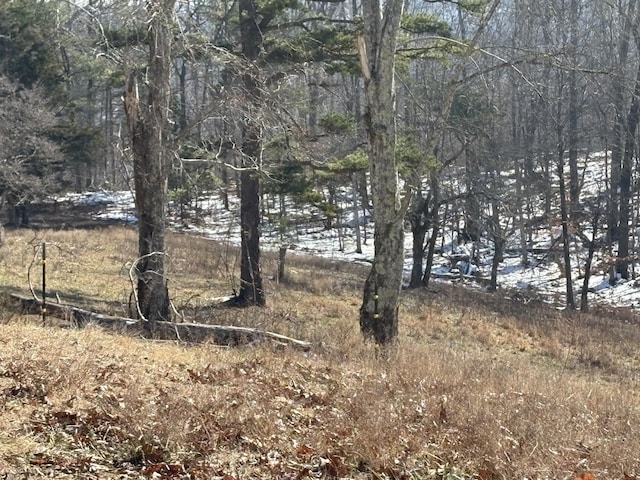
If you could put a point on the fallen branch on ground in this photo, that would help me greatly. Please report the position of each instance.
(187, 332)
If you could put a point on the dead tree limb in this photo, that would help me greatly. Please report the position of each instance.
(227, 335)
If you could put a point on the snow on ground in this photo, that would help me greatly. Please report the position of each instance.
(542, 277)
(115, 205)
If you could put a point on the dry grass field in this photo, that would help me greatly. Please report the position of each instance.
(479, 387)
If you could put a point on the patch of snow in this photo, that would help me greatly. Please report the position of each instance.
(542, 276)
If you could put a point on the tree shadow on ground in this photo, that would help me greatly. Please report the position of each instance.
(66, 216)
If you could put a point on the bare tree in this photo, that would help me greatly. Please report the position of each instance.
(630, 23)
(251, 290)
(29, 161)
(148, 118)
(377, 48)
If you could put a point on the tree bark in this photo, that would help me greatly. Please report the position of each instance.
(633, 118)
(149, 126)
(574, 114)
(356, 211)
(515, 139)
(251, 289)
(496, 231)
(472, 214)
(619, 130)
(377, 47)
(595, 222)
(421, 220)
(435, 227)
(564, 210)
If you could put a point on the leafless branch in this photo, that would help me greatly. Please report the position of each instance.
(36, 251)
(134, 290)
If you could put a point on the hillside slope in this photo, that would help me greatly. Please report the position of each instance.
(478, 387)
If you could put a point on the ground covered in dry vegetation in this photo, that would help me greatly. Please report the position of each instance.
(479, 387)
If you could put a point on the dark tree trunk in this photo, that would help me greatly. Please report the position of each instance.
(251, 290)
(424, 217)
(282, 268)
(18, 215)
(564, 212)
(148, 126)
(498, 255)
(431, 249)
(595, 222)
(182, 111)
(625, 178)
(619, 133)
(435, 225)
(472, 201)
(418, 249)
(420, 225)
(572, 136)
(497, 237)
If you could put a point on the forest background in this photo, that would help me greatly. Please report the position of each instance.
(491, 115)
(286, 102)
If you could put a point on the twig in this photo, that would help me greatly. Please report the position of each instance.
(31, 288)
(134, 265)
(134, 291)
(173, 307)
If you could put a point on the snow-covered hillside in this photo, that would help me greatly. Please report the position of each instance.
(541, 278)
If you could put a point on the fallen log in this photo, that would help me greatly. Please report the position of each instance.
(185, 332)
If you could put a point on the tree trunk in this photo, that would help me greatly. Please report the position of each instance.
(356, 211)
(282, 257)
(472, 212)
(572, 134)
(497, 234)
(435, 225)
(251, 290)
(595, 221)
(431, 249)
(420, 224)
(520, 215)
(564, 212)
(515, 139)
(633, 118)
(498, 255)
(110, 140)
(182, 82)
(619, 130)
(377, 47)
(419, 234)
(148, 126)
(18, 215)
(572, 139)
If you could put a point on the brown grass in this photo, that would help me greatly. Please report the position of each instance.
(478, 387)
